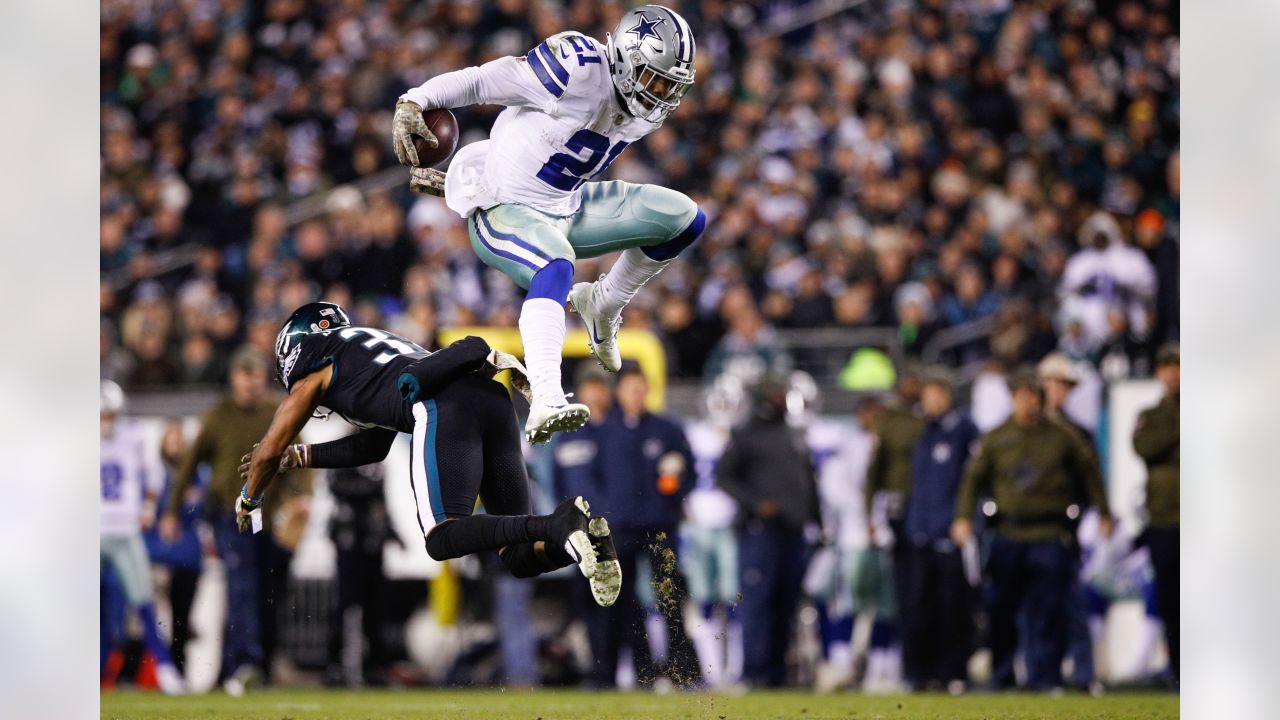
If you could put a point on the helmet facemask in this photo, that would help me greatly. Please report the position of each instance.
(656, 94)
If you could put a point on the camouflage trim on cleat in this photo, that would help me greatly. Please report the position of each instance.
(568, 419)
(606, 580)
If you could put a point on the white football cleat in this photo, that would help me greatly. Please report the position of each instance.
(170, 680)
(545, 419)
(587, 541)
(241, 680)
(570, 521)
(602, 330)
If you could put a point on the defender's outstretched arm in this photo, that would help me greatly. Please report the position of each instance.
(289, 419)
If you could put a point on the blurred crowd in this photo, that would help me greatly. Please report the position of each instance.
(913, 545)
(909, 165)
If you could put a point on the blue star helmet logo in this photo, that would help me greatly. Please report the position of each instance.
(646, 28)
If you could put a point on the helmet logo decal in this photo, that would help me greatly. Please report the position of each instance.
(286, 365)
(323, 324)
(646, 28)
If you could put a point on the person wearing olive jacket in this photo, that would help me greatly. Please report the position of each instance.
(889, 473)
(1039, 474)
(887, 488)
(1156, 440)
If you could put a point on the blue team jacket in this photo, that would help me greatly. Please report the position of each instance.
(626, 470)
(573, 463)
(937, 464)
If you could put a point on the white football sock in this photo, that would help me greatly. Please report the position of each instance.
(542, 331)
(735, 655)
(655, 626)
(840, 655)
(707, 643)
(632, 270)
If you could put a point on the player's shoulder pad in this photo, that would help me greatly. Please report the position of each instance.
(560, 60)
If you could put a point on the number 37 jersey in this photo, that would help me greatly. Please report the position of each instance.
(563, 126)
(366, 363)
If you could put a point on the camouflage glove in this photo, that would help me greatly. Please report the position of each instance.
(497, 361)
(245, 505)
(427, 181)
(295, 456)
(404, 126)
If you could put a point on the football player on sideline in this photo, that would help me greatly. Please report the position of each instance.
(130, 481)
(573, 105)
(466, 442)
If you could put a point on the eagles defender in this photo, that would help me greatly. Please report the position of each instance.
(573, 105)
(466, 442)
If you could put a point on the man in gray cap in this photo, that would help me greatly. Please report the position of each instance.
(1038, 473)
(1059, 376)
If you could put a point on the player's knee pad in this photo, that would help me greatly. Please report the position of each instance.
(676, 245)
(438, 545)
(552, 282)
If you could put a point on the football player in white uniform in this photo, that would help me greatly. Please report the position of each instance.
(573, 105)
(129, 484)
(709, 539)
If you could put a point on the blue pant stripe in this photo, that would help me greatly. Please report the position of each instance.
(536, 63)
(500, 253)
(511, 237)
(429, 458)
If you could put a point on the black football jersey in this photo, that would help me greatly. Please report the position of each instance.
(366, 363)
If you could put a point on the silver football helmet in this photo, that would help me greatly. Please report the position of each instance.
(111, 398)
(651, 57)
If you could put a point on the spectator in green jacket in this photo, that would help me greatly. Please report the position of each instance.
(1038, 473)
(1156, 440)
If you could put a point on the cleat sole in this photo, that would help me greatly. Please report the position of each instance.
(565, 420)
(606, 581)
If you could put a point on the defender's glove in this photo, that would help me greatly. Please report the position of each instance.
(404, 126)
(497, 361)
(244, 506)
(427, 181)
(295, 456)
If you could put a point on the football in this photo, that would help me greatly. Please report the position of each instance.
(444, 126)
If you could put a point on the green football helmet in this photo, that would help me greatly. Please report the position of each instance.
(310, 318)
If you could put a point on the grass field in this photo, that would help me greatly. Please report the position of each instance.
(572, 705)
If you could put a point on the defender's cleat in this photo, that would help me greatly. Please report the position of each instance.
(602, 330)
(546, 420)
(606, 581)
(569, 525)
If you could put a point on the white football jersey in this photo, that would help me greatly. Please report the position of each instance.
(707, 505)
(126, 475)
(845, 452)
(564, 125)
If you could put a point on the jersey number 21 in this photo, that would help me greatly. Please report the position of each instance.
(565, 171)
